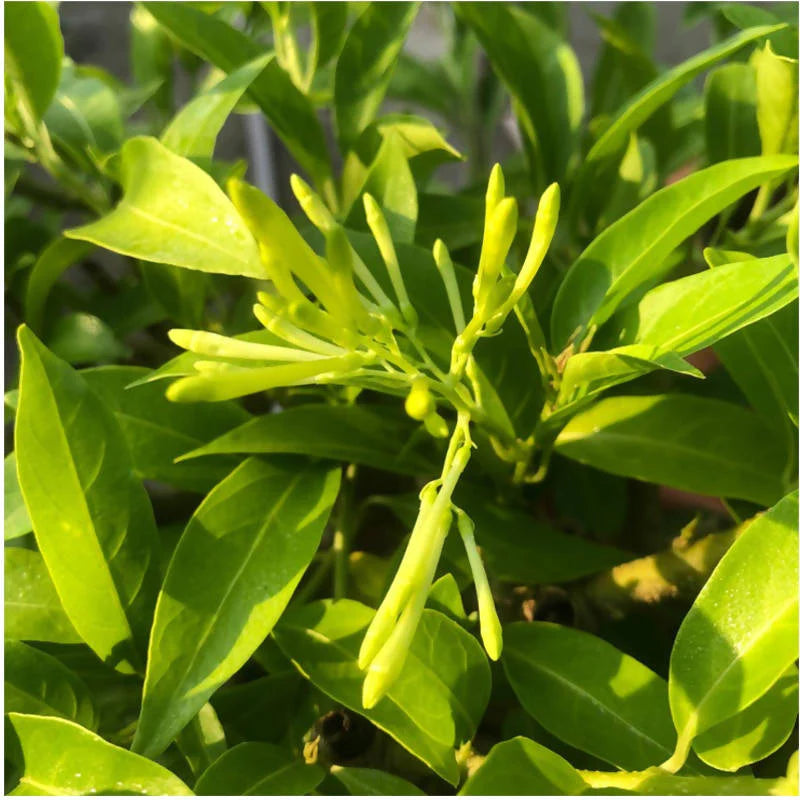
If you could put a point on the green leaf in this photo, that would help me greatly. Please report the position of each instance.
(365, 65)
(362, 781)
(84, 118)
(390, 182)
(519, 549)
(202, 741)
(17, 522)
(588, 374)
(173, 211)
(329, 23)
(632, 251)
(60, 254)
(740, 635)
(261, 710)
(230, 578)
(589, 694)
(181, 293)
(688, 314)
(37, 683)
(158, 431)
(730, 113)
(290, 112)
(655, 781)
(543, 76)
(692, 443)
(754, 733)
(445, 597)
(439, 697)
(654, 95)
(81, 338)
(62, 758)
(33, 611)
(194, 129)
(776, 81)
(33, 52)
(359, 434)
(92, 519)
(258, 768)
(762, 359)
(521, 766)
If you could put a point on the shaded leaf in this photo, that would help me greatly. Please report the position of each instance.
(700, 445)
(16, 520)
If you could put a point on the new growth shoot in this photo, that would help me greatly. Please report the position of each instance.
(331, 320)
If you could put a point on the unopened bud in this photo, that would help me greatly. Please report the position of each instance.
(420, 402)
(436, 426)
(497, 239)
(312, 204)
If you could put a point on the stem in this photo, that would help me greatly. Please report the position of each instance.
(343, 534)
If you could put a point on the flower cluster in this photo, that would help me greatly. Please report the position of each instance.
(353, 333)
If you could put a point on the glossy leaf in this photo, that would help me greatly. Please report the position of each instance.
(655, 781)
(62, 758)
(362, 781)
(658, 92)
(194, 129)
(359, 434)
(436, 702)
(589, 694)
(730, 118)
(158, 431)
(33, 611)
(590, 373)
(258, 768)
(173, 212)
(365, 65)
(230, 578)
(755, 732)
(631, 252)
(700, 445)
(81, 338)
(691, 313)
(776, 81)
(544, 78)
(92, 519)
(290, 112)
(521, 766)
(38, 683)
(740, 635)
(33, 52)
(16, 520)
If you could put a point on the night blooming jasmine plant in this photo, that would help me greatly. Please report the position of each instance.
(346, 460)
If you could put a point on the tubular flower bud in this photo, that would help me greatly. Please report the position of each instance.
(436, 426)
(279, 241)
(383, 238)
(225, 384)
(420, 402)
(339, 255)
(275, 322)
(205, 343)
(497, 239)
(495, 192)
(443, 261)
(491, 630)
(312, 204)
(544, 228)
(389, 662)
(403, 584)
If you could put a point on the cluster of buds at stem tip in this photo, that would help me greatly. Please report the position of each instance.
(330, 319)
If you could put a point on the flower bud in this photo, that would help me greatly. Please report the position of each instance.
(420, 402)
(213, 344)
(312, 204)
(497, 239)
(436, 426)
(495, 191)
(445, 265)
(544, 228)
